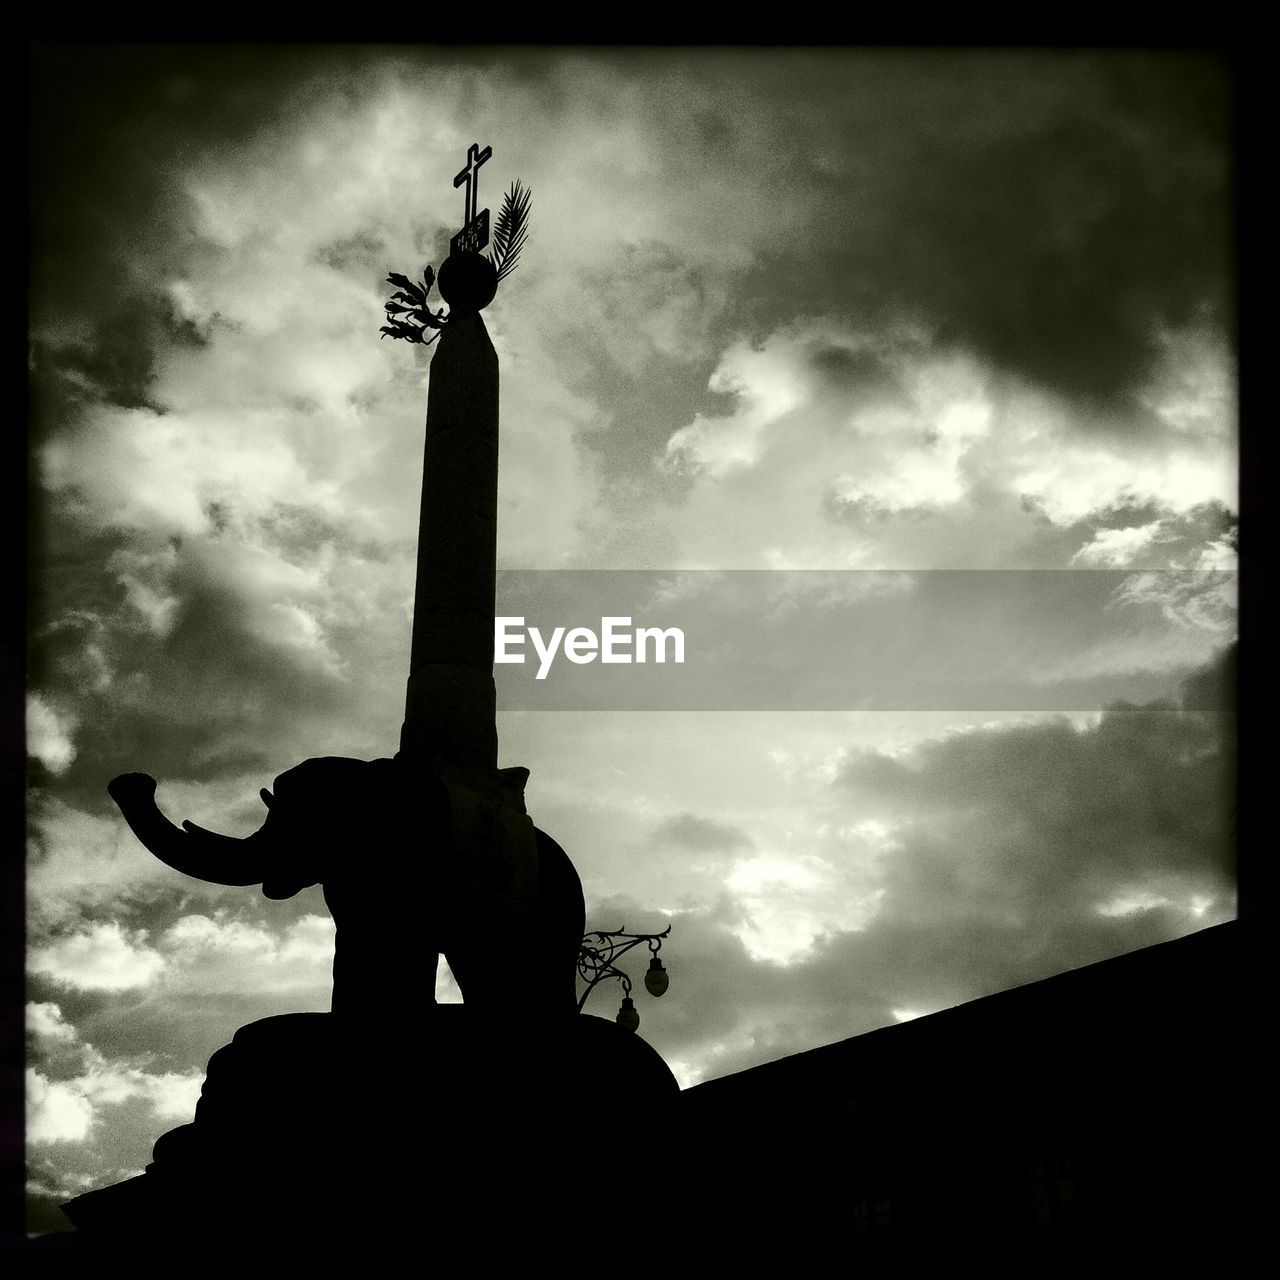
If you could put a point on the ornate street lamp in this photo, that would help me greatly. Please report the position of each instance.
(596, 961)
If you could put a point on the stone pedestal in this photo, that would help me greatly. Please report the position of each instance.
(315, 1134)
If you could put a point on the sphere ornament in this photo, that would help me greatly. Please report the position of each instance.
(469, 278)
(467, 281)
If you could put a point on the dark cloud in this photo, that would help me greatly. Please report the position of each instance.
(1048, 818)
(1213, 691)
(857, 374)
(110, 127)
(114, 366)
(691, 832)
(1066, 250)
(1050, 212)
(205, 698)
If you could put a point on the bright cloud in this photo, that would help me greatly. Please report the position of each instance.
(845, 428)
(787, 902)
(103, 957)
(56, 1112)
(50, 736)
(206, 954)
(45, 1022)
(69, 1108)
(1116, 548)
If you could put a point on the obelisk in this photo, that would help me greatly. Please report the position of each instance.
(450, 706)
(491, 872)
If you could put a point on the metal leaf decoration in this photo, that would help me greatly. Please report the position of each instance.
(510, 230)
(408, 315)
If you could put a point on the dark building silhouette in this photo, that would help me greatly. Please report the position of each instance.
(1098, 1109)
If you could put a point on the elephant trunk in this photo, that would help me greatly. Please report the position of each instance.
(191, 850)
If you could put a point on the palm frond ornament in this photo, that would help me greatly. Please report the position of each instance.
(511, 229)
(410, 317)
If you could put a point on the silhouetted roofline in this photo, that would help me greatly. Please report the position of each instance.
(1155, 992)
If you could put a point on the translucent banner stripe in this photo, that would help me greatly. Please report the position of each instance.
(1034, 640)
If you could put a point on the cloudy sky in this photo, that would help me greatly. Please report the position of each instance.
(877, 314)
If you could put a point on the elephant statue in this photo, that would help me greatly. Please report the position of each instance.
(291, 1154)
(412, 865)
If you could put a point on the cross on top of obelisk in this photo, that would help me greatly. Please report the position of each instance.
(475, 229)
(471, 176)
